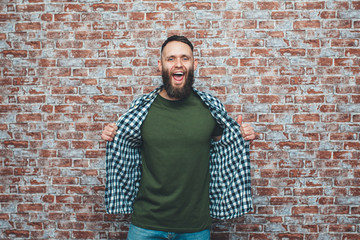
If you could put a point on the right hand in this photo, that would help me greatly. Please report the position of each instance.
(109, 132)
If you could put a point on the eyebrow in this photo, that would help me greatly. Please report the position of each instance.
(184, 55)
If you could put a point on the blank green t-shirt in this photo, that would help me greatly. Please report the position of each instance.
(174, 190)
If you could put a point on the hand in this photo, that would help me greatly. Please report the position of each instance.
(109, 132)
(247, 131)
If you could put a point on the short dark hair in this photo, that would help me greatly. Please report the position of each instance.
(177, 39)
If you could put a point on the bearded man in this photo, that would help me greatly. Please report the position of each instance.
(175, 159)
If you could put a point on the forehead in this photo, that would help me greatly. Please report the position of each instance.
(176, 48)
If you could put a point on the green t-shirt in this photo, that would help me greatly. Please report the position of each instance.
(174, 190)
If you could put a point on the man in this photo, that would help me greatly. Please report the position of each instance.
(177, 159)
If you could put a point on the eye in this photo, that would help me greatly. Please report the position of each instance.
(186, 58)
(170, 59)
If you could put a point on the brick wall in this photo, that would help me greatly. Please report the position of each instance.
(291, 68)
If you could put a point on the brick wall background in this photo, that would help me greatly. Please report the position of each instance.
(291, 68)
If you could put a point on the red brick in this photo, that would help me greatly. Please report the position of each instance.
(4, 216)
(67, 109)
(118, 72)
(261, 52)
(342, 228)
(166, 6)
(17, 233)
(30, 207)
(68, 199)
(284, 15)
(76, 189)
(87, 217)
(268, 5)
(272, 173)
(269, 80)
(292, 145)
(292, 52)
(310, 99)
(105, 7)
(305, 210)
(31, 99)
(249, 43)
(308, 191)
(342, 136)
(336, 210)
(65, 180)
(9, 17)
(30, 8)
(15, 53)
(198, 5)
(306, 24)
(27, 26)
(299, 118)
(336, 117)
(352, 145)
(215, 52)
(82, 53)
(338, 24)
(212, 71)
(158, 15)
(75, 8)
(67, 17)
(344, 43)
(82, 35)
(267, 191)
(268, 99)
(64, 90)
(352, 52)
(309, 5)
(283, 201)
(32, 189)
(95, 154)
(16, 144)
(82, 144)
(106, 99)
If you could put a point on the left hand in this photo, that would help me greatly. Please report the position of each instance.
(247, 131)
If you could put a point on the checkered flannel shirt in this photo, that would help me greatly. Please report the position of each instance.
(230, 185)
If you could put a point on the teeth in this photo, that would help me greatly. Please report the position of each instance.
(180, 74)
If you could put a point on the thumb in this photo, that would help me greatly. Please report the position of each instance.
(239, 120)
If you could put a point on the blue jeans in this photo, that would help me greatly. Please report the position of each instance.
(137, 233)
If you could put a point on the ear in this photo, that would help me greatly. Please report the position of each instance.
(159, 65)
(195, 64)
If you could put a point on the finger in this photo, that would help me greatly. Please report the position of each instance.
(239, 119)
(250, 137)
(113, 126)
(106, 137)
(109, 127)
(107, 133)
(248, 131)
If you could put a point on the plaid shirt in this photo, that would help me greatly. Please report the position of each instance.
(230, 186)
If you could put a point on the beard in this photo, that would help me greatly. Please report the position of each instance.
(178, 92)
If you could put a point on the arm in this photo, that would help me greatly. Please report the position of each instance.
(247, 131)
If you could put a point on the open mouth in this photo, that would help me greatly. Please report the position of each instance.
(178, 77)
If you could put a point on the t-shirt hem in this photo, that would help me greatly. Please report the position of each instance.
(166, 229)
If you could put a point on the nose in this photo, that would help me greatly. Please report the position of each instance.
(178, 62)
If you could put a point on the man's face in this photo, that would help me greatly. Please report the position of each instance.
(177, 66)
